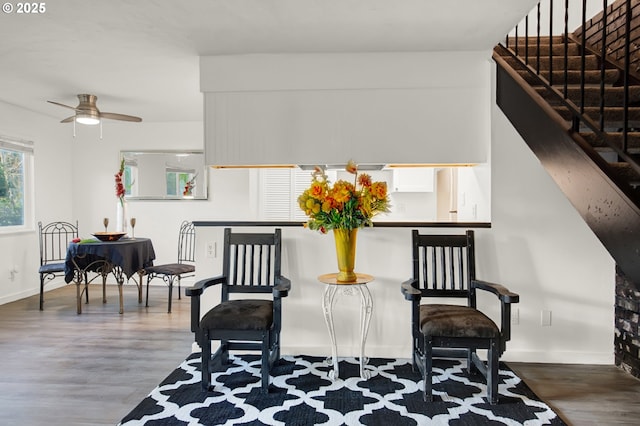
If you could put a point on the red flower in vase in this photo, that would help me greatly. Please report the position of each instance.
(120, 190)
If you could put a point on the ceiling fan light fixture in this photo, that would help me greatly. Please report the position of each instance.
(89, 118)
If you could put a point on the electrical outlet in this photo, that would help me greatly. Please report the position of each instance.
(211, 249)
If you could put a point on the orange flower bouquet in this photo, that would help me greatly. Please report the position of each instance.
(343, 205)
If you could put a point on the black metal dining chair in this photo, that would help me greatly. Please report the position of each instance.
(250, 267)
(54, 240)
(184, 267)
(444, 267)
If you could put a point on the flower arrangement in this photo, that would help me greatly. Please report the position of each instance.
(120, 190)
(344, 205)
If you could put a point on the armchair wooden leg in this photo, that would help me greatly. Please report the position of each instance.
(206, 362)
(427, 374)
(265, 362)
(492, 373)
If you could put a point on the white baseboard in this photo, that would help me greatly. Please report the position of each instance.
(546, 357)
(31, 292)
(557, 357)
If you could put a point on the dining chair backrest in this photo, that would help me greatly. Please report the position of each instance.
(187, 243)
(54, 240)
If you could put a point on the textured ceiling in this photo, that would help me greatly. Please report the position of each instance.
(141, 58)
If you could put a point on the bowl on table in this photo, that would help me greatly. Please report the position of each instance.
(109, 236)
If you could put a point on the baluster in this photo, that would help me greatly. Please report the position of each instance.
(566, 48)
(538, 42)
(583, 59)
(627, 60)
(550, 42)
(602, 62)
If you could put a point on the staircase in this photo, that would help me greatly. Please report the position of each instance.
(583, 122)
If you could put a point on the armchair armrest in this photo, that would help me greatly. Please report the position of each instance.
(502, 292)
(198, 287)
(282, 287)
(195, 292)
(506, 299)
(409, 291)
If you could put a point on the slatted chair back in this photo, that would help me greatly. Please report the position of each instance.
(251, 261)
(187, 243)
(444, 265)
(54, 240)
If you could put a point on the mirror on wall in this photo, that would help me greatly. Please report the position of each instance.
(165, 175)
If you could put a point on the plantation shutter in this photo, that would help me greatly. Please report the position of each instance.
(275, 194)
(279, 192)
(301, 181)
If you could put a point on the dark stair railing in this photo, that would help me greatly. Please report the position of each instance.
(575, 100)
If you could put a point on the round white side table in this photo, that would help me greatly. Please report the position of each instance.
(359, 286)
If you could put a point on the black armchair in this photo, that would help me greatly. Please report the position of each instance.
(250, 265)
(444, 267)
(184, 267)
(54, 240)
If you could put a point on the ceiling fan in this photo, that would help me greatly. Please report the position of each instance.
(88, 113)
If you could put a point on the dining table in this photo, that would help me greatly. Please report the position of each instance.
(123, 259)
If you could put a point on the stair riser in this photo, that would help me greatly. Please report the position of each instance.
(613, 117)
(532, 40)
(625, 172)
(573, 62)
(615, 139)
(613, 96)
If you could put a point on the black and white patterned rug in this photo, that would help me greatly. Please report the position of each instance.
(302, 394)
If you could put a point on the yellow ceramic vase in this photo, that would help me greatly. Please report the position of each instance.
(346, 252)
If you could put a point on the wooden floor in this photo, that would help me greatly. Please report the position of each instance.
(60, 368)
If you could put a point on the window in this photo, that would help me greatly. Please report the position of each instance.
(16, 193)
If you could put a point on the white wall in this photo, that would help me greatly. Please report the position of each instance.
(540, 246)
(53, 181)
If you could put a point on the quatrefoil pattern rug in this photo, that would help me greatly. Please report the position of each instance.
(302, 394)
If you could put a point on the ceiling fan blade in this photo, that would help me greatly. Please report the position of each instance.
(68, 119)
(123, 117)
(62, 105)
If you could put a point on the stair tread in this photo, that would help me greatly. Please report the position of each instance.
(613, 95)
